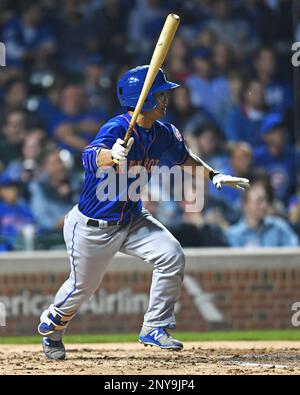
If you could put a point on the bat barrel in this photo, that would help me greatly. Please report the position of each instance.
(160, 52)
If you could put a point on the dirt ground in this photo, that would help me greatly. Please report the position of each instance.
(130, 358)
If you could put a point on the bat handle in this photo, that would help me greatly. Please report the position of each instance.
(128, 135)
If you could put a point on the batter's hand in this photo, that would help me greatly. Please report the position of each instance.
(234, 182)
(119, 152)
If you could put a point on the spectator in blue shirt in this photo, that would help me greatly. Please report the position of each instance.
(235, 31)
(276, 156)
(278, 93)
(14, 213)
(257, 228)
(73, 126)
(28, 37)
(243, 122)
(204, 87)
(226, 104)
(239, 164)
(53, 192)
(22, 169)
(182, 113)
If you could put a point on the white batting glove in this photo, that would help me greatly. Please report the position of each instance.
(234, 182)
(119, 152)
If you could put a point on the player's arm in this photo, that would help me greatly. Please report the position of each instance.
(218, 179)
(94, 157)
(118, 153)
(104, 158)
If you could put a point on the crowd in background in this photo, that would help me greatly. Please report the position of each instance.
(235, 107)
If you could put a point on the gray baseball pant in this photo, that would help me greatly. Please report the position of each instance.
(91, 249)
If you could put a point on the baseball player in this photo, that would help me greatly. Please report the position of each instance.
(96, 228)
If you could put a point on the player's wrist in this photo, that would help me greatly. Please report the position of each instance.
(212, 174)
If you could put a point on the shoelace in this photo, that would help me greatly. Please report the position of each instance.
(167, 333)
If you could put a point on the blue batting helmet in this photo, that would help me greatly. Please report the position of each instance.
(131, 83)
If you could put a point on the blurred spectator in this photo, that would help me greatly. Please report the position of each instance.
(72, 32)
(28, 38)
(47, 105)
(12, 136)
(257, 229)
(261, 177)
(74, 126)
(177, 67)
(144, 22)
(217, 212)
(205, 38)
(15, 96)
(243, 122)
(204, 88)
(109, 27)
(226, 104)
(294, 210)
(206, 141)
(53, 193)
(22, 169)
(184, 115)
(276, 156)
(166, 210)
(193, 231)
(14, 213)
(223, 58)
(5, 12)
(267, 19)
(240, 160)
(278, 94)
(96, 85)
(239, 165)
(236, 32)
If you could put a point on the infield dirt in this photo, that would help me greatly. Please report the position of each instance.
(260, 357)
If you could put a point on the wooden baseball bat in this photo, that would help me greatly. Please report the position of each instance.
(158, 57)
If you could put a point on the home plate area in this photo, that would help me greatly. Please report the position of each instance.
(242, 357)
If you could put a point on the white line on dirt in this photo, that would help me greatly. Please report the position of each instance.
(262, 365)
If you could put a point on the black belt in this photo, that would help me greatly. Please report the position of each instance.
(102, 224)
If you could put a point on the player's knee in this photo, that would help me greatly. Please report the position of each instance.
(174, 257)
(180, 257)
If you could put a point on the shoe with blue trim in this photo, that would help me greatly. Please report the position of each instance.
(159, 337)
(54, 349)
(53, 320)
(44, 329)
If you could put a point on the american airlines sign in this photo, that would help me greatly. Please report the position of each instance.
(125, 301)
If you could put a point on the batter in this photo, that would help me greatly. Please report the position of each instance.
(97, 228)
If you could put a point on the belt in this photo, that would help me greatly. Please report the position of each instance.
(101, 223)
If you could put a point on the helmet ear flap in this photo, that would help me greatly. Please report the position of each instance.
(150, 103)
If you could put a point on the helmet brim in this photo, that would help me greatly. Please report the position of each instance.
(164, 87)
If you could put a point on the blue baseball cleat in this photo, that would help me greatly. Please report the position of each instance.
(159, 337)
(54, 349)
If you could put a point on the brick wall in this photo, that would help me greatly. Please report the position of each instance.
(212, 298)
